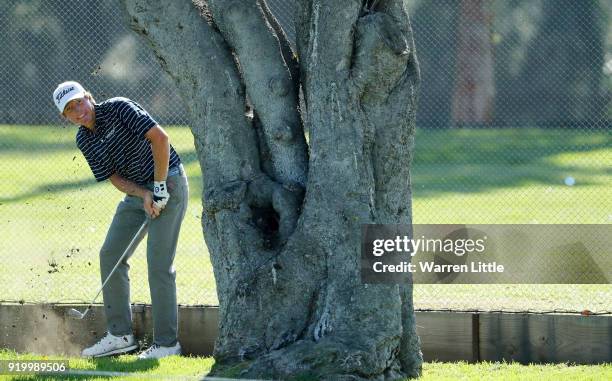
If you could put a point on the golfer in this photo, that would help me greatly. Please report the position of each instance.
(123, 143)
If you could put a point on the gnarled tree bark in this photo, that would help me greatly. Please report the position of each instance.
(281, 217)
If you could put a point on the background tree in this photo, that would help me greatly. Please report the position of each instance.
(282, 215)
(474, 91)
(550, 62)
(563, 65)
(32, 56)
(435, 28)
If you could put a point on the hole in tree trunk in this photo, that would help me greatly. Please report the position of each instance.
(266, 219)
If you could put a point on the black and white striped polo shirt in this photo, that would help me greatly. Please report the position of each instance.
(119, 145)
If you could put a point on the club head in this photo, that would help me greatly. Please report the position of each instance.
(75, 314)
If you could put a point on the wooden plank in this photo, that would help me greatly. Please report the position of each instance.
(446, 336)
(532, 338)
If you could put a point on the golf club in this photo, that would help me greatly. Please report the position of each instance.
(76, 314)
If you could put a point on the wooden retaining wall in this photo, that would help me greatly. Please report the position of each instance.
(445, 336)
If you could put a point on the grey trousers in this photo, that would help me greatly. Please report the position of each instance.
(163, 233)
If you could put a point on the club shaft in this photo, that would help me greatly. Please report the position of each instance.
(129, 248)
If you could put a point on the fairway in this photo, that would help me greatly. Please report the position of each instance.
(54, 215)
(193, 368)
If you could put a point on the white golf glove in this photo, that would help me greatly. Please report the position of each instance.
(160, 194)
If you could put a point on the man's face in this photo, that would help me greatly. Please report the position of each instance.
(80, 111)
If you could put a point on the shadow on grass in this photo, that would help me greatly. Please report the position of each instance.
(236, 372)
(106, 368)
(37, 139)
(50, 188)
(471, 161)
(452, 160)
(22, 146)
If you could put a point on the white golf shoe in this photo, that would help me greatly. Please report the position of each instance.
(157, 351)
(111, 345)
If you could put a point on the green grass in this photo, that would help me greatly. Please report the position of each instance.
(514, 371)
(512, 176)
(53, 216)
(189, 367)
(56, 217)
(195, 367)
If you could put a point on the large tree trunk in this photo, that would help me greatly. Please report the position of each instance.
(282, 217)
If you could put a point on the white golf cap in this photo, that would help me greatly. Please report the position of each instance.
(65, 92)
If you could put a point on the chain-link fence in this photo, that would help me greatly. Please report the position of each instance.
(513, 127)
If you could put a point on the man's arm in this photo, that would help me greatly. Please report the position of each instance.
(161, 151)
(161, 157)
(133, 189)
(128, 187)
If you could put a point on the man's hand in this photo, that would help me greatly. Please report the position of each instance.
(133, 189)
(160, 194)
(149, 205)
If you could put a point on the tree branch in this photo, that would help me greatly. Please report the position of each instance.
(287, 51)
(329, 23)
(200, 63)
(385, 73)
(268, 84)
